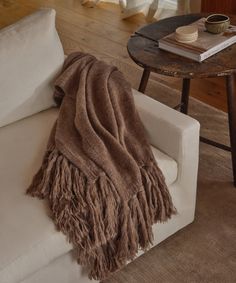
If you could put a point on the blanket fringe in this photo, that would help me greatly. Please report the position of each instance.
(105, 230)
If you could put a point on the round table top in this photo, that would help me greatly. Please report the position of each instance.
(143, 49)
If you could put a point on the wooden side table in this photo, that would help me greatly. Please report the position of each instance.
(143, 49)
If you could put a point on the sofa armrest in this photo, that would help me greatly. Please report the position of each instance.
(168, 130)
(177, 135)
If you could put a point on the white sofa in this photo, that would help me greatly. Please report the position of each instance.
(31, 249)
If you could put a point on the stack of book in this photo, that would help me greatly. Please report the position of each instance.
(205, 46)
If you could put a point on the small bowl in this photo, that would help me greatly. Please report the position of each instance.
(217, 23)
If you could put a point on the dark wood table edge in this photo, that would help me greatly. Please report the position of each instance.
(180, 75)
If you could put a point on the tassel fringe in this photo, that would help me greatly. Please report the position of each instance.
(105, 230)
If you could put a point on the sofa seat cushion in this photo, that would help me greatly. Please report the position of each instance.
(28, 238)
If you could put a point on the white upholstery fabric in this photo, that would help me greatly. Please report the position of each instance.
(31, 54)
(62, 270)
(167, 165)
(28, 239)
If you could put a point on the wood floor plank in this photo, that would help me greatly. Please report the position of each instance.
(88, 24)
(97, 13)
(12, 13)
(91, 39)
(93, 26)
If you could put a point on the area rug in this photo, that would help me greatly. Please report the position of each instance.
(204, 251)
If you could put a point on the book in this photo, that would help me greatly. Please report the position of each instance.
(205, 46)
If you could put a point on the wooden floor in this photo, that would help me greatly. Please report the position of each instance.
(101, 32)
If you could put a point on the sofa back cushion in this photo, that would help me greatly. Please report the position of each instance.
(31, 55)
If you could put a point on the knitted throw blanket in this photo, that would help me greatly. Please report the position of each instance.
(104, 187)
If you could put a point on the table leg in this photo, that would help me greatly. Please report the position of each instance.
(231, 97)
(185, 96)
(144, 80)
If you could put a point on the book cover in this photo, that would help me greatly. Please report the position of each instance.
(205, 46)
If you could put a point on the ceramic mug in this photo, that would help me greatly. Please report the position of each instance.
(217, 23)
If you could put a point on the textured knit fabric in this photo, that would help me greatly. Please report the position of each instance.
(104, 187)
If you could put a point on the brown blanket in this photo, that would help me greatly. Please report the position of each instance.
(99, 174)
